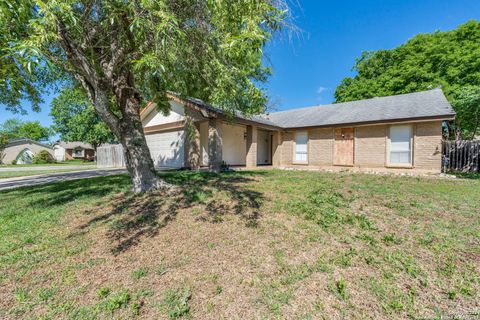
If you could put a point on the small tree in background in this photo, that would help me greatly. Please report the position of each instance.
(17, 129)
(74, 118)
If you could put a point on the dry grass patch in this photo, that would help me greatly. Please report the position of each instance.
(266, 244)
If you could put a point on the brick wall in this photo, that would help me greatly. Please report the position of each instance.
(89, 154)
(370, 146)
(287, 148)
(427, 153)
(276, 148)
(320, 147)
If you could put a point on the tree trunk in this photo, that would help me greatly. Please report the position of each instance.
(129, 132)
(115, 77)
(138, 160)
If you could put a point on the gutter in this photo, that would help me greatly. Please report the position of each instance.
(376, 122)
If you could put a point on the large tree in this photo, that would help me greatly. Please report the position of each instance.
(450, 60)
(74, 118)
(122, 53)
(17, 129)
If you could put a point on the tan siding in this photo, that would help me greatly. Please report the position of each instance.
(287, 148)
(427, 153)
(370, 146)
(12, 152)
(320, 147)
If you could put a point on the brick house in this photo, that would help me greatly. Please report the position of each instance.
(402, 132)
(64, 151)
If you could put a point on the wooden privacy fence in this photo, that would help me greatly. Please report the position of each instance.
(461, 156)
(110, 156)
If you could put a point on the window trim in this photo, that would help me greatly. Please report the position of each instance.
(389, 141)
(294, 161)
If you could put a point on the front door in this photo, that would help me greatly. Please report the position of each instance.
(343, 148)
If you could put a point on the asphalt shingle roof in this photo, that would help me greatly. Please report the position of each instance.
(425, 104)
(73, 144)
(418, 105)
(20, 141)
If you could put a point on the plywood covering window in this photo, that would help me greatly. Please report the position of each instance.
(400, 145)
(301, 147)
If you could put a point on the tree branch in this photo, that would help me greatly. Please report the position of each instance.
(88, 78)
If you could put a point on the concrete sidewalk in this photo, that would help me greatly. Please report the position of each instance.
(12, 183)
(47, 167)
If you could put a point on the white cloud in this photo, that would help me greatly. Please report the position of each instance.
(321, 90)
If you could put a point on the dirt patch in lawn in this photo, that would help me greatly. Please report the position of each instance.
(272, 244)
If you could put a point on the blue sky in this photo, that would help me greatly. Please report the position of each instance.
(307, 69)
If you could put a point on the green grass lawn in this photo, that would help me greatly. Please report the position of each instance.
(16, 174)
(75, 162)
(247, 245)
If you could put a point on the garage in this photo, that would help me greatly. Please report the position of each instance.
(167, 148)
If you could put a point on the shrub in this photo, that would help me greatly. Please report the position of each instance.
(14, 162)
(43, 157)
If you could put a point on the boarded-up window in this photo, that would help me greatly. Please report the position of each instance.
(301, 148)
(400, 144)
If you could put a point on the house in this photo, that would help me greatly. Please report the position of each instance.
(22, 151)
(402, 132)
(73, 150)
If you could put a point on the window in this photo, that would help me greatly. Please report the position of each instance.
(301, 149)
(400, 144)
(78, 153)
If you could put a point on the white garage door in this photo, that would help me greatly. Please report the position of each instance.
(167, 148)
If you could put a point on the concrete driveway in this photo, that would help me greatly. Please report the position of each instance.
(13, 183)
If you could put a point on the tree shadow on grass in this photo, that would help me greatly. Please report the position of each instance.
(65, 192)
(130, 217)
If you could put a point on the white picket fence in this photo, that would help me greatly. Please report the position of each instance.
(110, 156)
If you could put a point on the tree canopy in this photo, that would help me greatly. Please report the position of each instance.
(16, 129)
(123, 53)
(450, 60)
(75, 119)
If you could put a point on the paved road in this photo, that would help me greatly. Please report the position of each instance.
(47, 167)
(13, 183)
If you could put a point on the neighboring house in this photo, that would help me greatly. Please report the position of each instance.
(64, 151)
(395, 132)
(23, 151)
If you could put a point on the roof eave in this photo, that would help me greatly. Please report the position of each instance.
(377, 122)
